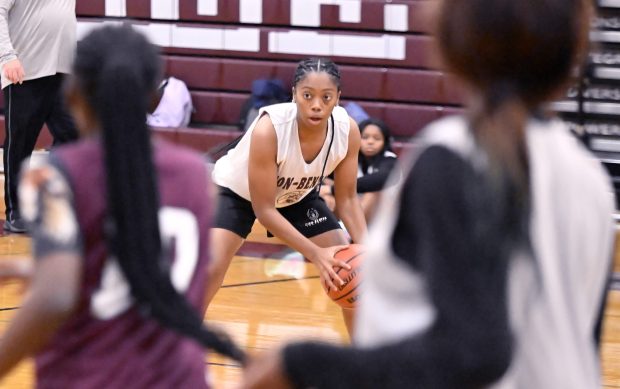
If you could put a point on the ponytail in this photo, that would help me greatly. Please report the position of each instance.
(119, 69)
(498, 125)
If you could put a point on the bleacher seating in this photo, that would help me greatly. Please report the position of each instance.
(218, 47)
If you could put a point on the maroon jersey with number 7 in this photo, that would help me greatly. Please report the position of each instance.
(108, 342)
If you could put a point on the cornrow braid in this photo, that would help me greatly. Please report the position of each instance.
(317, 65)
(117, 70)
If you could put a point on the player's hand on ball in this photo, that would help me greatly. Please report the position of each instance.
(347, 296)
(325, 262)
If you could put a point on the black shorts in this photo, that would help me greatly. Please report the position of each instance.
(310, 216)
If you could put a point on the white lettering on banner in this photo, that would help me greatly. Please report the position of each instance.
(171, 35)
(115, 8)
(251, 11)
(396, 17)
(83, 28)
(206, 7)
(308, 12)
(234, 39)
(303, 12)
(359, 46)
(158, 33)
(286, 42)
(385, 46)
(242, 39)
(198, 38)
(165, 9)
(299, 42)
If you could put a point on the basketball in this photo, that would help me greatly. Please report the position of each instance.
(348, 294)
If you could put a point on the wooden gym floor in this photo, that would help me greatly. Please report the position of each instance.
(265, 301)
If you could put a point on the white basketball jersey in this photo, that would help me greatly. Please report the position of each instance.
(554, 297)
(296, 178)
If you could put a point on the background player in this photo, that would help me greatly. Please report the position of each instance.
(375, 164)
(273, 172)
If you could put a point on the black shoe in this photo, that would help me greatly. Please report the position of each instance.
(17, 226)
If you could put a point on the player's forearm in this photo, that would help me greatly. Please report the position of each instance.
(53, 296)
(31, 329)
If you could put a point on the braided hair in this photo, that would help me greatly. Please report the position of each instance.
(317, 65)
(117, 70)
(303, 68)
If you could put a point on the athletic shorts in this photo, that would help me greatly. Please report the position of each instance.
(310, 216)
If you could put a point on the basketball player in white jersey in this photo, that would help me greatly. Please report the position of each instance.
(273, 172)
(488, 268)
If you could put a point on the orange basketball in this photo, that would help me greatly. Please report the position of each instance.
(348, 294)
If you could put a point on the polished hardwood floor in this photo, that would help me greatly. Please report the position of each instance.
(266, 301)
(263, 302)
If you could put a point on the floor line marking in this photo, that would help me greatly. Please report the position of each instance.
(269, 281)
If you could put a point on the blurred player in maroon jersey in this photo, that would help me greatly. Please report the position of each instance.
(119, 226)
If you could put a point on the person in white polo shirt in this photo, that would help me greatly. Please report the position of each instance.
(37, 44)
